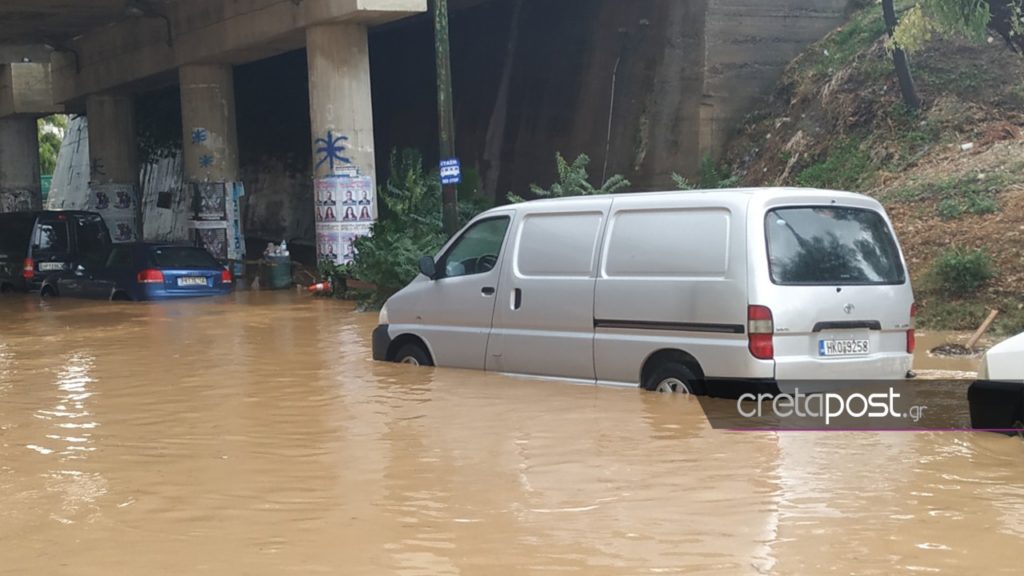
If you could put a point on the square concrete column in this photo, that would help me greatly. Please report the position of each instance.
(210, 136)
(114, 164)
(19, 165)
(341, 114)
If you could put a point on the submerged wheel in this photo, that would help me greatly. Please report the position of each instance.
(673, 378)
(47, 292)
(413, 354)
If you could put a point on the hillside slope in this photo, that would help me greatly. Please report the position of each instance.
(951, 176)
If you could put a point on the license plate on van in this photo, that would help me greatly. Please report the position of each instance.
(192, 281)
(831, 348)
(50, 266)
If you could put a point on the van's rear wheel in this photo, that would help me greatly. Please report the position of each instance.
(413, 354)
(673, 378)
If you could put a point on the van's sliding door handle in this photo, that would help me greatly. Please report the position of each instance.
(487, 291)
(517, 299)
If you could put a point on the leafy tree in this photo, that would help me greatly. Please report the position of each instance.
(51, 134)
(970, 19)
(574, 180)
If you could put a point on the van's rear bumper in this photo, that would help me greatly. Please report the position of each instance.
(381, 342)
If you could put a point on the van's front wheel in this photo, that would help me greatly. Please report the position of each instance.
(673, 378)
(413, 354)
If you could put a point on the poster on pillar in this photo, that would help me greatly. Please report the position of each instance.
(346, 199)
(217, 219)
(209, 200)
(16, 200)
(116, 203)
(335, 242)
(211, 236)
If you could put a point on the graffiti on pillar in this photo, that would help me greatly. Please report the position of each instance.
(116, 203)
(96, 168)
(206, 160)
(330, 150)
(199, 135)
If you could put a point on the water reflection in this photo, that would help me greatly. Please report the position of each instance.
(252, 435)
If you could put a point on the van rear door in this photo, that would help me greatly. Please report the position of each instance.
(839, 294)
(51, 245)
(15, 237)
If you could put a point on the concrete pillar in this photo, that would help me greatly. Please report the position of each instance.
(210, 147)
(114, 164)
(19, 165)
(210, 139)
(113, 153)
(341, 114)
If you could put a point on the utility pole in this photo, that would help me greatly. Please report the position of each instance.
(446, 116)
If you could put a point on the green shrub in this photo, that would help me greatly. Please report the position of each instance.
(972, 203)
(957, 272)
(845, 168)
(409, 226)
(714, 175)
(573, 180)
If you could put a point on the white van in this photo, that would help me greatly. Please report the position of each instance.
(675, 291)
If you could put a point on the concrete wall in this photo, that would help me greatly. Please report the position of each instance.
(749, 43)
(643, 87)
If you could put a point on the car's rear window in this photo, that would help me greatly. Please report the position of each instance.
(829, 245)
(51, 237)
(181, 257)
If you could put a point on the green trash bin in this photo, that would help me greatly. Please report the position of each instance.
(279, 272)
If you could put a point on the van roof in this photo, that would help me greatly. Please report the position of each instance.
(768, 192)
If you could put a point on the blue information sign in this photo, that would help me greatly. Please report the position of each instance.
(451, 171)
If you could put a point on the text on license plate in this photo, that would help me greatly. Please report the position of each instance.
(192, 281)
(842, 347)
(47, 266)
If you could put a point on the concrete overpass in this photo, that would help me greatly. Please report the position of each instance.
(90, 56)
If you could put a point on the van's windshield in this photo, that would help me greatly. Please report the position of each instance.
(830, 245)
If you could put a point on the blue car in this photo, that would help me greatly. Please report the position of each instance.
(144, 271)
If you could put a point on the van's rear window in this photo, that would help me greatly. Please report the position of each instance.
(51, 237)
(831, 246)
(169, 257)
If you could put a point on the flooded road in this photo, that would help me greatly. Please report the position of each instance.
(252, 435)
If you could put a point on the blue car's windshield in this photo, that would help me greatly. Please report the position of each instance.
(171, 257)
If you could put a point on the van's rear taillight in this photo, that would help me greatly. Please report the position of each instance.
(28, 269)
(760, 328)
(150, 276)
(225, 276)
(912, 334)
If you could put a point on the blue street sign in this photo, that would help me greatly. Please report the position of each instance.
(451, 171)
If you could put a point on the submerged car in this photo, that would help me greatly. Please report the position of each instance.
(997, 397)
(144, 271)
(34, 245)
(1004, 362)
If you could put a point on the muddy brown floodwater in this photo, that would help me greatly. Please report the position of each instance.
(253, 435)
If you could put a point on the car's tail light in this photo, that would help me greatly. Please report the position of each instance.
(225, 276)
(912, 334)
(28, 269)
(150, 276)
(760, 328)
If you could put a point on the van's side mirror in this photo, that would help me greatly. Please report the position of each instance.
(428, 267)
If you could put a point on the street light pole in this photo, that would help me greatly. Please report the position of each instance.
(446, 116)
